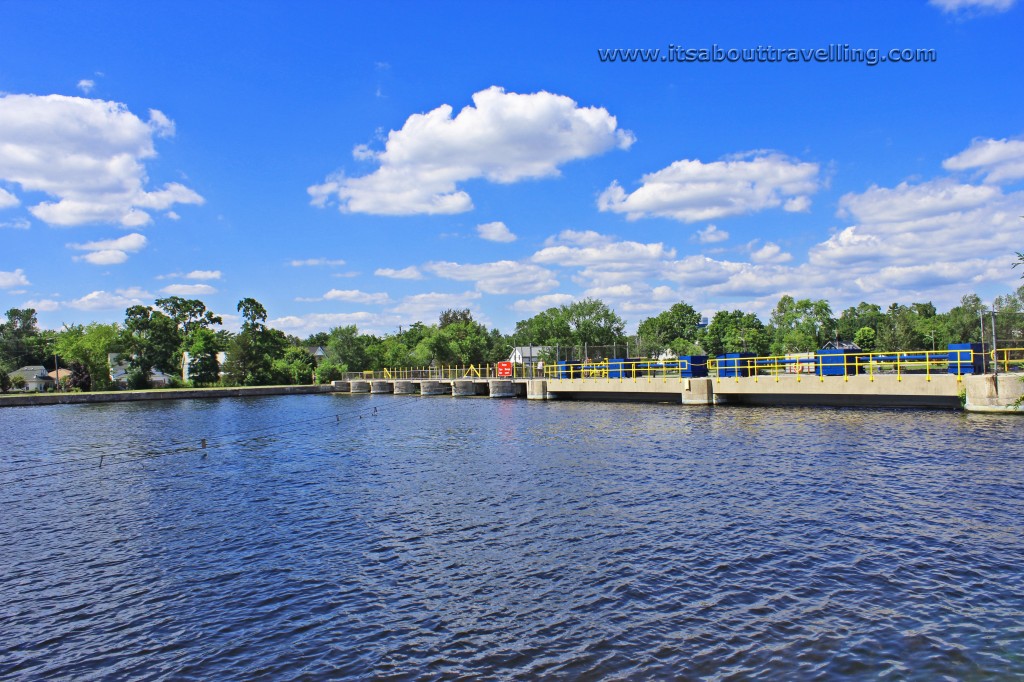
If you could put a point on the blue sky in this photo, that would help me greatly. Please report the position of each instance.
(372, 164)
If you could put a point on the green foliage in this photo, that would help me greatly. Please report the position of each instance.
(203, 346)
(589, 322)
(865, 338)
(252, 351)
(799, 326)
(150, 339)
(294, 367)
(85, 349)
(18, 382)
(137, 379)
(5, 381)
(327, 371)
(21, 342)
(856, 318)
(674, 328)
(735, 332)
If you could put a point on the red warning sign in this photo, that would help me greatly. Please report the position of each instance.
(504, 369)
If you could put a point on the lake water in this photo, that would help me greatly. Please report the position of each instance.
(493, 539)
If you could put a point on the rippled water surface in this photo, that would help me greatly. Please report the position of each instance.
(443, 538)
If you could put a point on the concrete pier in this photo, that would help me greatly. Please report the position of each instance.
(434, 388)
(463, 387)
(342, 386)
(994, 393)
(359, 386)
(404, 388)
(501, 388)
(381, 387)
(536, 389)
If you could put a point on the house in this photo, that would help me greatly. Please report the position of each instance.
(61, 376)
(318, 353)
(119, 373)
(36, 378)
(529, 355)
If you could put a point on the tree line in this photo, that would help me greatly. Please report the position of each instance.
(177, 332)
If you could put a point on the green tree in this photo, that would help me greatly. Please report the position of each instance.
(854, 319)
(799, 326)
(865, 338)
(675, 328)
(253, 350)
(203, 347)
(962, 322)
(86, 348)
(295, 366)
(151, 339)
(734, 332)
(900, 330)
(21, 342)
(345, 346)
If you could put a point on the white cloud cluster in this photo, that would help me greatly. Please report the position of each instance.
(7, 200)
(711, 235)
(954, 6)
(88, 155)
(188, 290)
(314, 262)
(204, 274)
(110, 251)
(411, 272)
(998, 160)
(118, 300)
(532, 306)
(495, 232)
(500, 277)
(691, 190)
(503, 137)
(428, 306)
(302, 325)
(356, 296)
(9, 280)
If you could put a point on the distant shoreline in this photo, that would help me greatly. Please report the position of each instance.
(35, 399)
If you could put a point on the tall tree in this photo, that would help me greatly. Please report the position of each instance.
(151, 339)
(799, 326)
(86, 349)
(665, 330)
(734, 332)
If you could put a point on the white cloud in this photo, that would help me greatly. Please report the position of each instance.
(103, 300)
(999, 160)
(44, 305)
(204, 274)
(711, 235)
(691, 190)
(600, 250)
(501, 277)
(503, 137)
(913, 236)
(173, 215)
(16, 224)
(88, 155)
(13, 279)
(188, 290)
(368, 323)
(356, 296)
(769, 253)
(532, 306)
(313, 262)
(495, 232)
(411, 272)
(110, 251)
(427, 307)
(953, 6)
(86, 85)
(7, 200)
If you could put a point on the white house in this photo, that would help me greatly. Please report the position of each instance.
(222, 357)
(119, 373)
(36, 377)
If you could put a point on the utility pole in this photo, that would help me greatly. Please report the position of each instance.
(995, 360)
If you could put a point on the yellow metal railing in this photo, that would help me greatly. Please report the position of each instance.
(800, 366)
